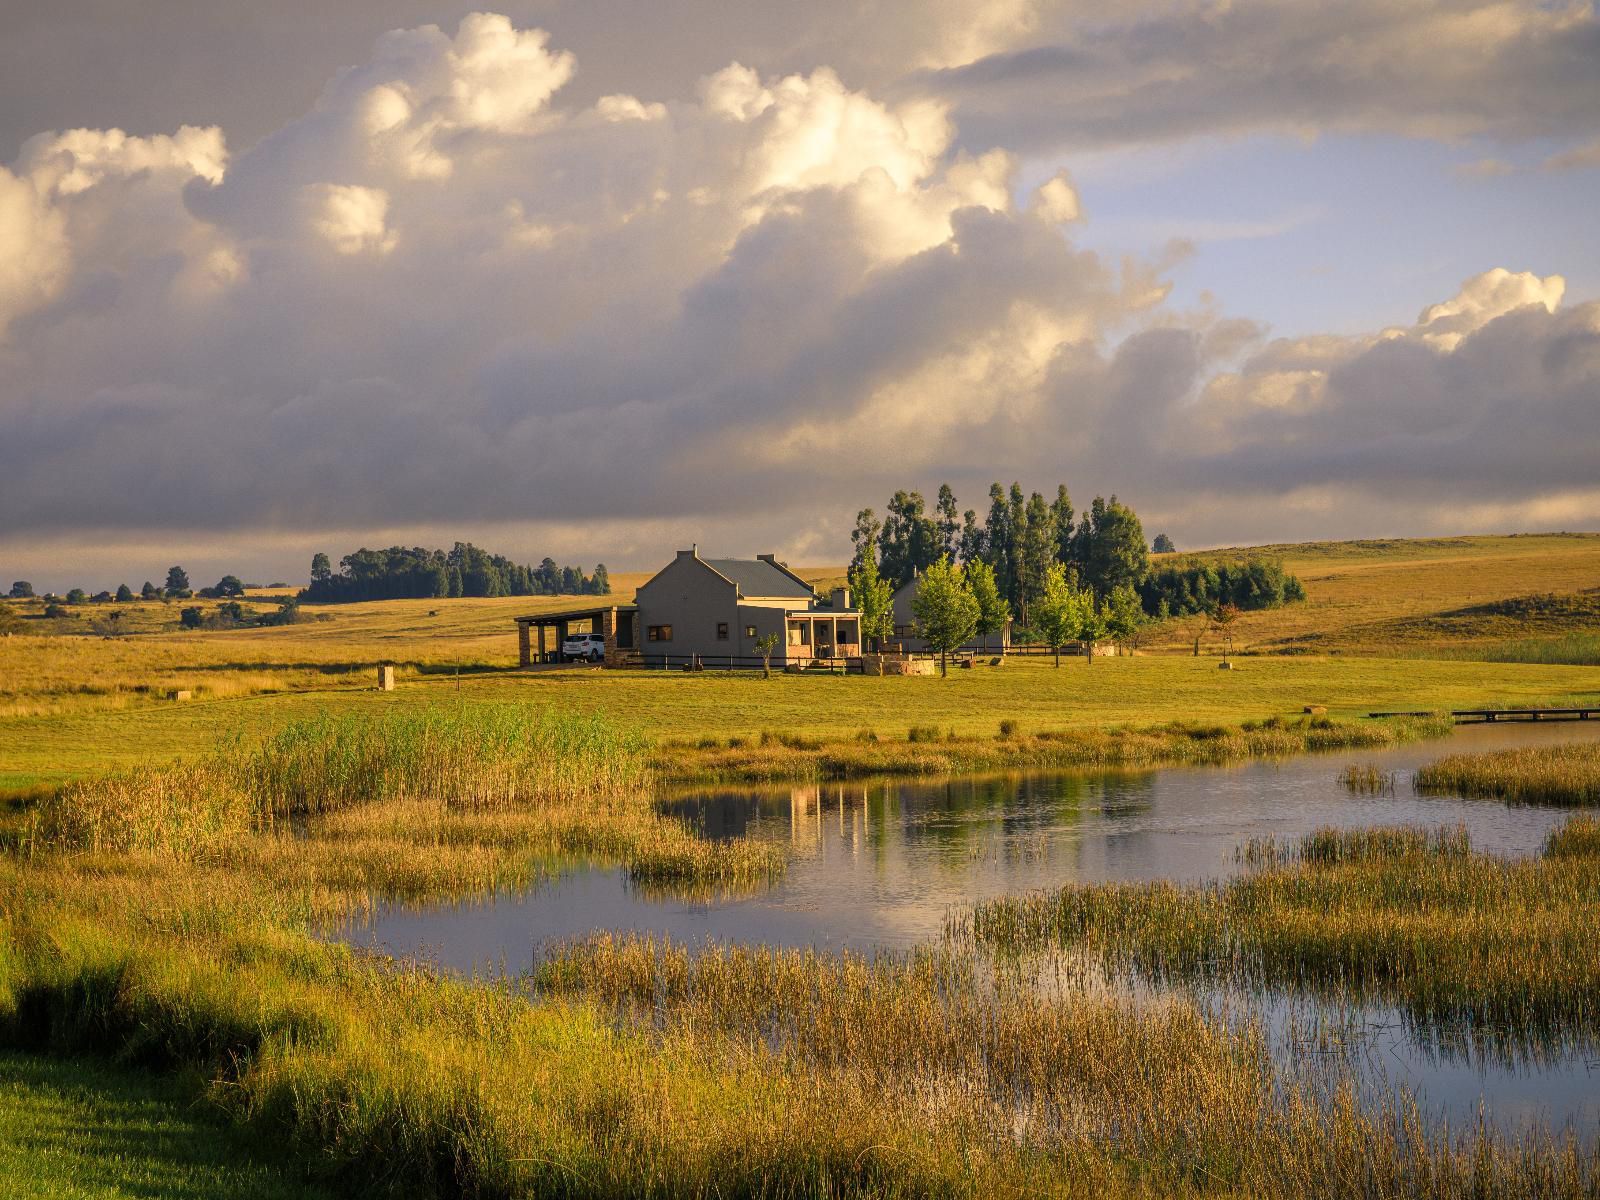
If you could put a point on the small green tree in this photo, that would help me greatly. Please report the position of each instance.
(77, 596)
(229, 585)
(177, 582)
(124, 593)
(993, 611)
(1222, 619)
(945, 611)
(149, 591)
(192, 618)
(22, 590)
(1124, 615)
(1163, 545)
(1091, 626)
(1058, 610)
(875, 598)
(321, 568)
(765, 645)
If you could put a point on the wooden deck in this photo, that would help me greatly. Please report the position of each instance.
(1481, 716)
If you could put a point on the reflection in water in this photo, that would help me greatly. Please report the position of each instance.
(882, 863)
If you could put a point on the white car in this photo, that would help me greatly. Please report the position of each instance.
(589, 646)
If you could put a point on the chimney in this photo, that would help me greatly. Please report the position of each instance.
(692, 552)
(771, 558)
(839, 598)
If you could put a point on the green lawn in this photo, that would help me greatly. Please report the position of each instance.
(673, 705)
(71, 1130)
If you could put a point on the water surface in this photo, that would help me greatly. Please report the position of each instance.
(882, 863)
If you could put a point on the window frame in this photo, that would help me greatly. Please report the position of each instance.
(658, 633)
(723, 629)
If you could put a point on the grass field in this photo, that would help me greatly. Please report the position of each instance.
(77, 1129)
(1429, 624)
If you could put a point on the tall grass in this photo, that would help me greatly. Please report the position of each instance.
(1557, 775)
(479, 757)
(400, 803)
(927, 751)
(1571, 650)
(1465, 943)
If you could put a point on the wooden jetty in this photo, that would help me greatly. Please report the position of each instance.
(1477, 716)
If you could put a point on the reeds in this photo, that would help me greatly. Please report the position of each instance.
(927, 750)
(1465, 943)
(1367, 779)
(407, 806)
(1556, 775)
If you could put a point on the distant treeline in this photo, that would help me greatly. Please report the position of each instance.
(416, 573)
(1180, 589)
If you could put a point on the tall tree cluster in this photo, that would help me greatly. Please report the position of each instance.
(464, 570)
(1018, 539)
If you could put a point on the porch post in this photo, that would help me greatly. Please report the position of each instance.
(523, 657)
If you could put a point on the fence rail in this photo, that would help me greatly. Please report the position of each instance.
(739, 662)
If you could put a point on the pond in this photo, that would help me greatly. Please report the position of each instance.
(881, 863)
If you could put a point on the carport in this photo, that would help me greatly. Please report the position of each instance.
(539, 637)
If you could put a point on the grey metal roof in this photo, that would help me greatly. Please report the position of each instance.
(756, 577)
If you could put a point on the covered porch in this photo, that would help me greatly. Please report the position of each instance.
(815, 634)
(539, 637)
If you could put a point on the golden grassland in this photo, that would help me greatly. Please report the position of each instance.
(1423, 595)
(1386, 619)
(630, 1067)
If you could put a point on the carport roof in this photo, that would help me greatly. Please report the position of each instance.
(574, 614)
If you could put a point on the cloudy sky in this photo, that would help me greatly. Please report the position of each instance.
(597, 278)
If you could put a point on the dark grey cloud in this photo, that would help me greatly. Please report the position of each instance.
(1427, 68)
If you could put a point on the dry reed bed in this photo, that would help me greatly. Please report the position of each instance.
(1466, 944)
(1557, 775)
(923, 751)
(404, 806)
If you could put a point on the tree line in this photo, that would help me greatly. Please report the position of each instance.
(464, 570)
(1018, 538)
(1184, 588)
(1063, 576)
(176, 588)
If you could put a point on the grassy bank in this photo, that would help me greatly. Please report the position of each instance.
(1559, 775)
(1465, 943)
(76, 1129)
(336, 812)
(926, 750)
(677, 707)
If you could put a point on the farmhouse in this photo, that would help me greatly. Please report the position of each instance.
(905, 627)
(710, 611)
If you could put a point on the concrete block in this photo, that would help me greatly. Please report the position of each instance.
(386, 678)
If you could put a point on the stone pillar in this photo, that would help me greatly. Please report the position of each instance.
(386, 678)
(524, 656)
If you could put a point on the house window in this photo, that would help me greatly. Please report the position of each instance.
(847, 633)
(660, 633)
(750, 631)
(722, 631)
